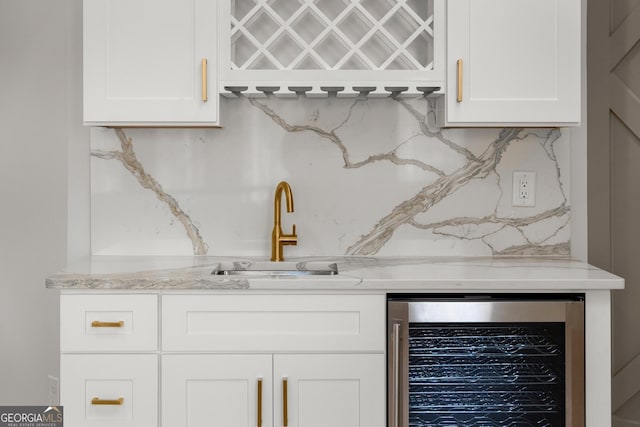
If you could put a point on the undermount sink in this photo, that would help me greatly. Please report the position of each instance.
(251, 268)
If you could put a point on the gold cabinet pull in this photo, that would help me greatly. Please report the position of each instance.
(99, 324)
(259, 402)
(285, 409)
(98, 401)
(459, 98)
(204, 80)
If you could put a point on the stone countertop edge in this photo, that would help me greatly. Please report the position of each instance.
(376, 274)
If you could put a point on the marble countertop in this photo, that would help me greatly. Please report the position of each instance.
(376, 274)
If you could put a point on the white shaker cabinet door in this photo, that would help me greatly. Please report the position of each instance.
(216, 390)
(512, 62)
(150, 62)
(337, 390)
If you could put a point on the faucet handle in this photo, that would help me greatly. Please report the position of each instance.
(294, 230)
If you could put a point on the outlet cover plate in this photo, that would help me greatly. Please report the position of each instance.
(524, 188)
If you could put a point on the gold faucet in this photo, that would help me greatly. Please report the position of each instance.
(278, 238)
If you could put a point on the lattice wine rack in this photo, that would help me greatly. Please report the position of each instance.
(316, 47)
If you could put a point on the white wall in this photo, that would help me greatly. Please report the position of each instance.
(79, 179)
(578, 167)
(34, 128)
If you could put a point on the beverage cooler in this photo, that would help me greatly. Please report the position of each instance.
(490, 360)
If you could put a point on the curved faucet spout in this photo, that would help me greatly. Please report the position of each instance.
(282, 186)
(278, 238)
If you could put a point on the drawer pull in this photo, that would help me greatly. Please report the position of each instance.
(459, 97)
(98, 401)
(99, 324)
(285, 410)
(259, 402)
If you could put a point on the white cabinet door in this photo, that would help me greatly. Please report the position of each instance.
(520, 62)
(337, 390)
(113, 390)
(143, 62)
(344, 390)
(216, 390)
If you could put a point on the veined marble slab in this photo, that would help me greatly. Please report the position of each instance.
(370, 177)
(388, 274)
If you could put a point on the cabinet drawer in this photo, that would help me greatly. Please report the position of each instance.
(109, 390)
(108, 323)
(273, 323)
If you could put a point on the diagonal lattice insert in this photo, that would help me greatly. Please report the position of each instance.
(332, 34)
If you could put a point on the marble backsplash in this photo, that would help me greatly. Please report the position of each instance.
(369, 177)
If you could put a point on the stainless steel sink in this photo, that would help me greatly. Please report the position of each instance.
(251, 268)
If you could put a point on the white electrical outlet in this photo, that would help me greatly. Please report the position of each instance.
(524, 188)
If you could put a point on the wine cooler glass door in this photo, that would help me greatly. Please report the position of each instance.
(486, 363)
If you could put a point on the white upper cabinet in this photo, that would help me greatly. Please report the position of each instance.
(150, 63)
(497, 62)
(316, 46)
(513, 62)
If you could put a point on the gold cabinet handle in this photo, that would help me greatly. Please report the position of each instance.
(285, 409)
(204, 80)
(98, 401)
(99, 324)
(459, 98)
(260, 402)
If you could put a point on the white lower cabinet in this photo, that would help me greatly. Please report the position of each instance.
(317, 359)
(224, 361)
(109, 361)
(294, 390)
(114, 390)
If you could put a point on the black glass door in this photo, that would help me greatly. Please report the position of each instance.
(486, 374)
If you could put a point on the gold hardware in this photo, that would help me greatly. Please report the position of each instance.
(459, 98)
(285, 414)
(204, 80)
(278, 238)
(98, 324)
(98, 401)
(259, 402)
